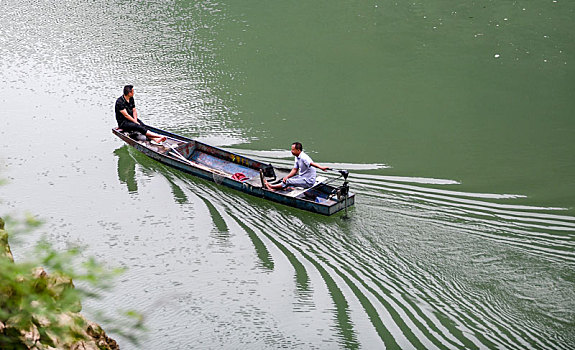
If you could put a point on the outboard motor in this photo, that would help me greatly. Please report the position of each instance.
(343, 190)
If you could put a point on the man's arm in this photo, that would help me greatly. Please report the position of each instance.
(324, 168)
(129, 117)
(291, 173)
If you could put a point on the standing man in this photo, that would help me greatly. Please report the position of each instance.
(303, 163)
(127, 116)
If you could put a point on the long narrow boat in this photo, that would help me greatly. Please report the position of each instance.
(241, 173)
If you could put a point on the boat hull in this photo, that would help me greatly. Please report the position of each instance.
(215, 164)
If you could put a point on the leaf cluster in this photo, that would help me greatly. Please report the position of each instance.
(39, 303)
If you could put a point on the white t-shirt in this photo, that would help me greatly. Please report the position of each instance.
(306, 171)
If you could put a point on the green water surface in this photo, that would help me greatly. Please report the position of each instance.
(455, 120)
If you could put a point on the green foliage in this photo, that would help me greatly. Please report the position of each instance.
(38, 300)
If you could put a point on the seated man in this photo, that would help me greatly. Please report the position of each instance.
(303, 163)
(127, 116)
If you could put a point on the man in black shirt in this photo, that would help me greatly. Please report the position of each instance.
(127, 116)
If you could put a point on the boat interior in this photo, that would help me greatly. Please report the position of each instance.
(230, 165)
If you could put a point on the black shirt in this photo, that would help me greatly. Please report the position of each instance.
(121, 104)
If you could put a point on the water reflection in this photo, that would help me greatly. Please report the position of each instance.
(126, 168)
(262, 251)
(127, 173)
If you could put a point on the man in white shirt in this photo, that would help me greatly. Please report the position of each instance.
(305, 166)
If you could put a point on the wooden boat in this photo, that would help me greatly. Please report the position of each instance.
(241, 173)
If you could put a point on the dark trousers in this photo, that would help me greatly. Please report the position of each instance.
(131, 126)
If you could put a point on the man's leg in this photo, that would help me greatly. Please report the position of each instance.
(155, 137)
(297, 181)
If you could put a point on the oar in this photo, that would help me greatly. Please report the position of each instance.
(180, 156)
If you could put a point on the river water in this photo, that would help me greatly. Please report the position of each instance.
(454, 119)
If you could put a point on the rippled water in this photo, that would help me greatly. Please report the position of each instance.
(454, 120)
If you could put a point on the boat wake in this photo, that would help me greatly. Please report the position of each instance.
(418, 265)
